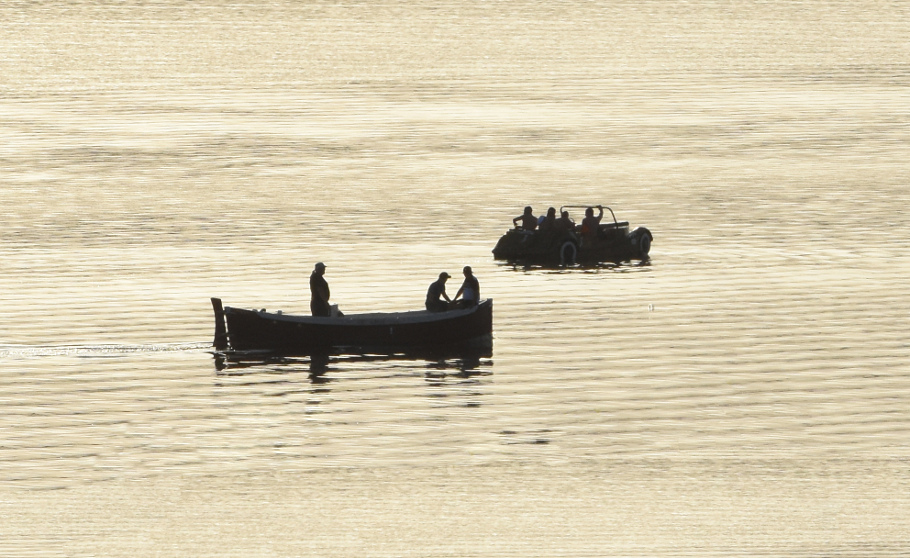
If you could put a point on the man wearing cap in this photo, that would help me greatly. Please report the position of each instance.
(470, 289)
(438, 289)
(319, 292)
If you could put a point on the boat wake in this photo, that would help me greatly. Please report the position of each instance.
(33, 351)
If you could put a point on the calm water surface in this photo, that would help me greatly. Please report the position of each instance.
(746, 392)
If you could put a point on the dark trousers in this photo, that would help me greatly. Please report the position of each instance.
(320, 308)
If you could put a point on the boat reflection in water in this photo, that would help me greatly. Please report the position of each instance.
(457, 361)
(643, 266)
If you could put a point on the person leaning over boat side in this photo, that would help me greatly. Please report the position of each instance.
(591, 224)
(528, 221)
(319, 292)
(438, 289)
(470, 289)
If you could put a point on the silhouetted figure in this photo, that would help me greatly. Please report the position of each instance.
(564, 223)
(528, 221)
(591, 224)
(470, 289)
(548, 223)
(436, 293)
(319, 292)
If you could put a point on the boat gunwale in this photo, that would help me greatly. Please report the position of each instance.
(366, 319)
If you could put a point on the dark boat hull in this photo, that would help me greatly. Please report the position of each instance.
(251, 330)
(612, 244)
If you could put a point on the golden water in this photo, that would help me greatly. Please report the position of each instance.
(746, 393)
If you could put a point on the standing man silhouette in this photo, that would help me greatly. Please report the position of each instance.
(319, 292)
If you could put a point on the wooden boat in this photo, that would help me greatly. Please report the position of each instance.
(257, 330)
(612, 242)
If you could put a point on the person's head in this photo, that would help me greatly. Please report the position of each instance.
(589, 212)
(443, 276)
(565, 214)
(551, 212)
(467, 271)
(528, 210)
(320, 268)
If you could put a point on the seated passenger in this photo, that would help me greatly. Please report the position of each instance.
(590, 225)
(470, 289)
(528, 221)
(548, 223)
(564, 223)
(438, 289)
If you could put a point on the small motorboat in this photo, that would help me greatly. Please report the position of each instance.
(238, 329)
(612, 242)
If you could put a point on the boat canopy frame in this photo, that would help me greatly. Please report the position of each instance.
(599, 206)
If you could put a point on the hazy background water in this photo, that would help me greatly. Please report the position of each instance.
(746, 393)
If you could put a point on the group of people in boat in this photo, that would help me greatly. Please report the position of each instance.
(468, 294)
(550, 223)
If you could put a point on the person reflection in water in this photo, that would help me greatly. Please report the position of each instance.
(319, 292)
(436, 293)
(470, 289)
